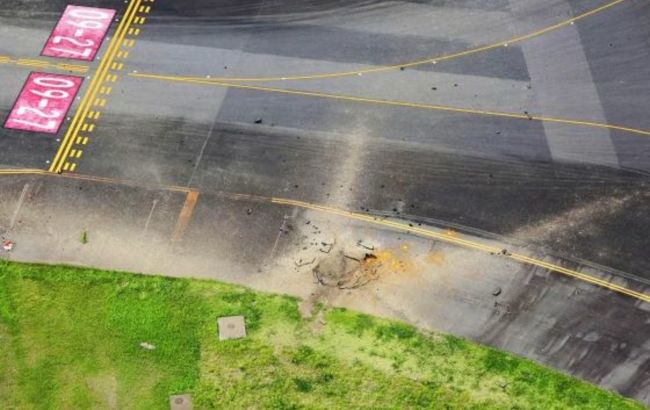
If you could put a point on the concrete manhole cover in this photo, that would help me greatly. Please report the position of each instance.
(231, 327)
(180, 402)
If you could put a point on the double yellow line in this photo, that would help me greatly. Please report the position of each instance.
(90, 94)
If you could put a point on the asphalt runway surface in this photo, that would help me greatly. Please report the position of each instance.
(522, 121)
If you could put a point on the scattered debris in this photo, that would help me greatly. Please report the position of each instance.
(496, 291)
(505, 252)
(249, 211)
(327, 247)
(7, 245)
(300, 262)
(148, 346)
(258, 121)
(231, 327)
(84, 238)
(498, 306)
(351, 257)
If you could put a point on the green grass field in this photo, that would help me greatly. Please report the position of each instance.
(71, 337)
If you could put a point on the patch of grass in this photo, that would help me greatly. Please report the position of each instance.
(71, 339)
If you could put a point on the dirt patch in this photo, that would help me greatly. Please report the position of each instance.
(104, 388)
(347, 271)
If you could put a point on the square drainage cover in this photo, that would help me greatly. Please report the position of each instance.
(231, 327)
(180, 402)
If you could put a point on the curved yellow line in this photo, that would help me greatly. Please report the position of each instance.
(428, 60)
(399, 103)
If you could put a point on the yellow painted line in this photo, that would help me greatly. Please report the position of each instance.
(117, 66)
(70, 67)
(468, 244)
(78, 153)
(91, 127)
(81, 140)
(33, 63)
(28, 62)
(96, 82)
(73, 166)
(66, 166)
(399, 103)
(22, 171)
(100, 102)
(433, 59)
(84, 127)
(128, 43)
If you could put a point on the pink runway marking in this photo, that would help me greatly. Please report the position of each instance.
(43, 102)
(79, 33)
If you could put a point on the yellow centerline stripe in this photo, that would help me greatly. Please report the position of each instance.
(90, 94)
(28, 62)
(398, 103)
(429, 60)
(401, 226)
